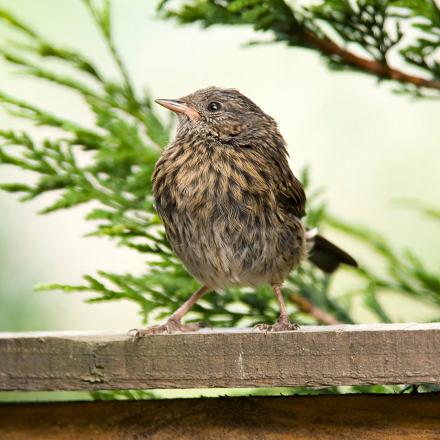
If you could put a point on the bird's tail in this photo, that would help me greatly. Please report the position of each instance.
(325, 254)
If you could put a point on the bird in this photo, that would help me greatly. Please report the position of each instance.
(230, 204)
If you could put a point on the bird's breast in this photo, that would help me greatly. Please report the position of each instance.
(222, 218)
(213, 183)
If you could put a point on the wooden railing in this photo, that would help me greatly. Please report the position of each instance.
(311, 357)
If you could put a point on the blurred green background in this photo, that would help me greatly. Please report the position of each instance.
(369, 148)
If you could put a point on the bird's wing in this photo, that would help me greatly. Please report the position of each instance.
(290, 192)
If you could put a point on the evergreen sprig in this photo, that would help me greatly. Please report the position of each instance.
(365, 35)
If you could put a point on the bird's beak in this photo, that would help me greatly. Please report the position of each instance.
(178, 106)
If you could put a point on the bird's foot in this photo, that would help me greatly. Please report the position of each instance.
(282, 325)
(171, 326)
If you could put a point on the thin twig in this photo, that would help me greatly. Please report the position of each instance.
(307, 307)
(296, 31)
(374, 67)
(107, 34)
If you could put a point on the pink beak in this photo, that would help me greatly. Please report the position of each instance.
(178, 106)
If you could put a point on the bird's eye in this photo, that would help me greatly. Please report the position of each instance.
(214, 106)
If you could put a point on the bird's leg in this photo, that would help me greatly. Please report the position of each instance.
(284, 317)
(283, 324)
(174, 323)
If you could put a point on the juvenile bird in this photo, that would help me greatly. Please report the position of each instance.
(230, 203)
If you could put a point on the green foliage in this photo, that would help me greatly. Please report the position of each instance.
(403, 274)
(108, 167)
(365, 35)
(122, 395)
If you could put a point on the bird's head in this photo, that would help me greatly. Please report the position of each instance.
(225, 115)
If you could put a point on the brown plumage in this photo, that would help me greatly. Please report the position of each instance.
(230, 203)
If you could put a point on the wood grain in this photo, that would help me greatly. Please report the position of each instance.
(314, 356)
(366, 417)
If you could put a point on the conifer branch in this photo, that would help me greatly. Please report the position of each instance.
(373, 67)
(102, 19)
(335, 28)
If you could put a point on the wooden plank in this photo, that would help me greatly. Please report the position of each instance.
(367, 417)
(313, 356)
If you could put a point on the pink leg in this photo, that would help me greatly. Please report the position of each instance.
(283, 324)
(283, 310)
(184, 308)
(173, 323)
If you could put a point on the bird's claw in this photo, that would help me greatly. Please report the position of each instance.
(171, 326)
(279, 326)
